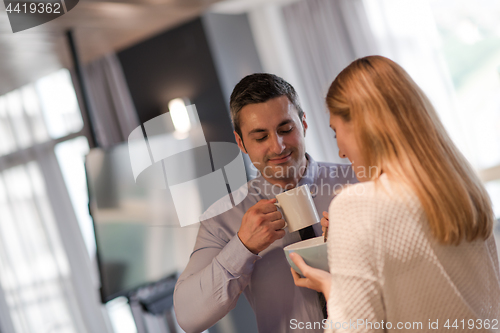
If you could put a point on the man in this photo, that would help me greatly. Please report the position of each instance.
(241, 250)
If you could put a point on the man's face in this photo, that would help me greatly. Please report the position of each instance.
(273, 138)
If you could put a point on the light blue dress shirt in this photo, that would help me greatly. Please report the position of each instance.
(221, 267)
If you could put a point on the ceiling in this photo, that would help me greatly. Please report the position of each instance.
(99, 27)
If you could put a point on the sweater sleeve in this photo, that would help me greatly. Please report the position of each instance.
(355, 302)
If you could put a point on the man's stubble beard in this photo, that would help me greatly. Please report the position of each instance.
(290, 174)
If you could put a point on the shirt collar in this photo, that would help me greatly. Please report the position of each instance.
(311, 173)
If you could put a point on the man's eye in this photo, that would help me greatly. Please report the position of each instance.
(287, 130)
(261, 139)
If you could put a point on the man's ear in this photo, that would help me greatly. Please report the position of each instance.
(304, 123)
(239, 141)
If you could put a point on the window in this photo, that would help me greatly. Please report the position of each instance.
(59, 104)
(35, 269)
(451, 48)
(470, 36)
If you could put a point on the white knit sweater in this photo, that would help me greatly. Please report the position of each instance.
(386, 266)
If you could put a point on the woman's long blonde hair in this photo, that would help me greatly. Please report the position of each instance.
(399, 133)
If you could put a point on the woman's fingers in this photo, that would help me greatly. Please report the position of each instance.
(297, 260)
(300, 281)
(314, 278)
(296, 278)
(324, 222)
(304, 268)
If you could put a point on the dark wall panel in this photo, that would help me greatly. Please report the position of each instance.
(177, 63)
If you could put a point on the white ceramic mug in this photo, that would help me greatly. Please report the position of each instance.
(298, 208)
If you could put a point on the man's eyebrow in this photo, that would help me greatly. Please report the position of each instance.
(260, 130)
(256, 130)
(285, 122)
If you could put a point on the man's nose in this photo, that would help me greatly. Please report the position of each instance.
(277, 144)
(341, 155)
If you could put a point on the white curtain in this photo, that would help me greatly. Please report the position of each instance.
(405, 31)
(45, 271)
(113, 112)
(325, 36)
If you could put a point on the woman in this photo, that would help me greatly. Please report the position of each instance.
(410, 247)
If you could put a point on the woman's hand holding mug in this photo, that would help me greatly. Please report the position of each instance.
(324, 225)
(314, 278)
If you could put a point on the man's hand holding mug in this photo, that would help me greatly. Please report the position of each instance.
(261, 225)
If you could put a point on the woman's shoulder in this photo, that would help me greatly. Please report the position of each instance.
(365, 191)
(377, 197)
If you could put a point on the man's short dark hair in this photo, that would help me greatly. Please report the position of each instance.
(260, 88)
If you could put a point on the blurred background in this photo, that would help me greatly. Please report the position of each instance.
(85, 248)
